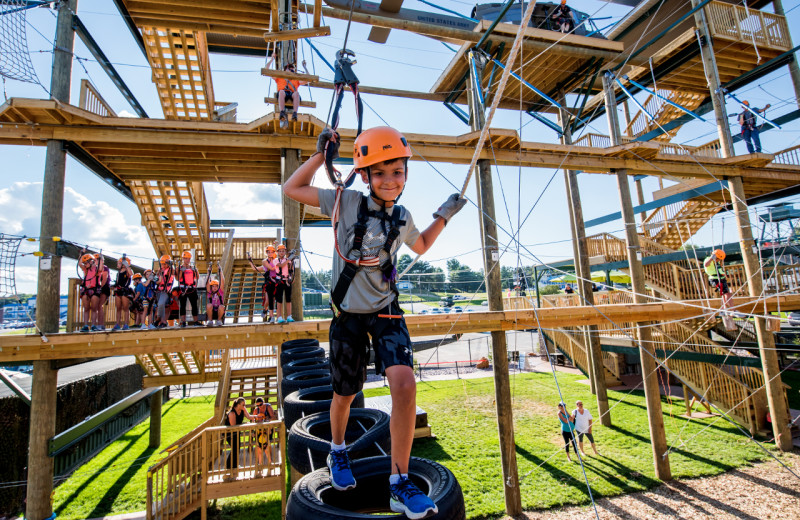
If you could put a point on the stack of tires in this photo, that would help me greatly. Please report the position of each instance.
(307, 392)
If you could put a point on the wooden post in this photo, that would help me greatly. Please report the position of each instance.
(640, 198)
(687, 400)
(584, 274)
(766, 340)
(155, 419)
(794, 69)
(655, 418)
(712, 75)
(290, 161)
(491, 264)
(45, 377)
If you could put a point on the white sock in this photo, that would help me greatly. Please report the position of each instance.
(394, 478)
(338, 447)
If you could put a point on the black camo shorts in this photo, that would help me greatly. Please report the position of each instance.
(349, 347)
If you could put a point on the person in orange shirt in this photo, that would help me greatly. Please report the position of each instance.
(289, 88)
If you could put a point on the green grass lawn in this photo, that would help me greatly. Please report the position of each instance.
(462, 415)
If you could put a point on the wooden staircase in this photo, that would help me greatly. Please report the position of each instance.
(244, 293)
(673, 225)
(662, 112)
(195, 469)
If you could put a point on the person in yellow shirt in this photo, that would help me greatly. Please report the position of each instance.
(289, 89)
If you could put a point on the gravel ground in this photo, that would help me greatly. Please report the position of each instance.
(760, 492)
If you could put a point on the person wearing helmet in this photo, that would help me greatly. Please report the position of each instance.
(123, 294)
(164, 278)
(368, 231)
(749, 123)
(104, 282)
(289, 89)
(283, 289)
(269, 269)
(716, 275)
(187, 281)
(215, 298)
(138, 302)
(89, 289)
(562, 14)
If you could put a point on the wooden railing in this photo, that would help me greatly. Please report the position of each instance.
(91, 100)
(788, 156)
(710, 149)
(197, 471)
(735, 22)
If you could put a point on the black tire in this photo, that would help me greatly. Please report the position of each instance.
(313, 496)
(313, 433)
(300, 365)
(312, 400)
(308, 351)
(303, 342)
(305, 379)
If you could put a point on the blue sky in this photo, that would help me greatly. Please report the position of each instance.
(98, 215)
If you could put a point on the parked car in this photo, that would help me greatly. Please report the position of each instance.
(457, 308)
(794, 319)
(459, 297)
(424, 311)
(437, 310)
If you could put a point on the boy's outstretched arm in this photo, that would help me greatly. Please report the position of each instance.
(441, 217)
(298, 186)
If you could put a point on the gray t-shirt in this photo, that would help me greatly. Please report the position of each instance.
(368, 292)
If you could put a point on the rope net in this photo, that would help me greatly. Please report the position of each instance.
(9, 245)
(15, 60)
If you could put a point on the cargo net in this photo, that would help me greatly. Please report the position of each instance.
(15, 59)
(9, 246)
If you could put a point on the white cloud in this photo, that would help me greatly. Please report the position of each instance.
(125, 113)
(244, 201)
(94, 223)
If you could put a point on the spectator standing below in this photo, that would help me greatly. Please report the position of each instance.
(567, 429)
(563, 17)
(583, 425)
(263, 412)
(568, 289)
(364, 299)
(234, 417)
(288, 88)
(748, 120)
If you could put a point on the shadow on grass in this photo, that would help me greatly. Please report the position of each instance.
(105, 502)
(430, 448)
(687, 454)
(611, 471)
(560, 474)
(90, 479)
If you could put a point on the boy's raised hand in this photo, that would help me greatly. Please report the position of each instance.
(328, 138)
(450, 207)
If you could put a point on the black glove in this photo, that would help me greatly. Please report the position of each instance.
(330, 138)
(450, 207)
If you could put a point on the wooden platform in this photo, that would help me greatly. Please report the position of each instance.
(157, 149)
(384, 403)
(546, 71)
(31, 347)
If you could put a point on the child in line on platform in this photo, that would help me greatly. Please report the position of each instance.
(123, 294)
(269, 269)
(165, 278)
(215, 298)
(139, 303)
(187, 281)
(364, 300)
(283, 287)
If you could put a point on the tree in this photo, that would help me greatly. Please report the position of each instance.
(313, 282)
(462, 278)
(423, 275)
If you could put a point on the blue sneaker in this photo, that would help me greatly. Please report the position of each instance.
(407, 498)
(280, 320)
(289, 319)
(116, 328)
(126, 327)
(85, 328)
(339, 465)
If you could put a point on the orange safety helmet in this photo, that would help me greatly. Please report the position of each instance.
(281, 247)
(148, 271)
(137, 276)
(379, 144)
(165, 259)
(270, 248)
(85, 259)
(97, 256)
(186, 254)
(213, 282)
(745, 102)
(720, 254)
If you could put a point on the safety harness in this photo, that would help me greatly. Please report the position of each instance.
(187, 286)
(354, 260)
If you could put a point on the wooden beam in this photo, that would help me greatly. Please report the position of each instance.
(296, 34)
(292, 76)
(304, 104)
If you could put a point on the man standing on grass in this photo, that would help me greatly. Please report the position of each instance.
(583, 425)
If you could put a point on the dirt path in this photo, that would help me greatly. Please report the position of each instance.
(764, 491)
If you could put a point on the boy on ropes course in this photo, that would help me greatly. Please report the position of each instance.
(187, 281)
(288, 88)
(270, 271)
(747, 118)
(368, 231)
(138, 303)
(123, 294)
(283, 289)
